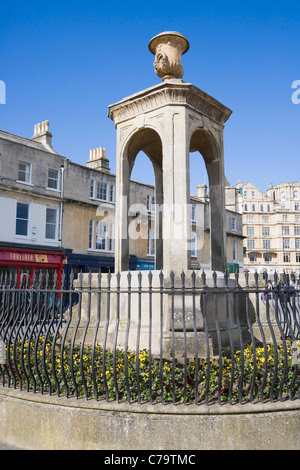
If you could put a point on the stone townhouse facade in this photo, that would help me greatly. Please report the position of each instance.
(59, 215)
(271, 226)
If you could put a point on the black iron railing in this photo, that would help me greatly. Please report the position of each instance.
(195, 337)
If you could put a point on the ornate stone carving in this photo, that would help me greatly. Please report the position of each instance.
(168, 48)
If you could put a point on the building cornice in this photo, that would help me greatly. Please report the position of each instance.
(172, 92)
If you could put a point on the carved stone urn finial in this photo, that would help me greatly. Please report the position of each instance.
(168, 47)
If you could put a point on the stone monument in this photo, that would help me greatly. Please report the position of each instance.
(168, 121)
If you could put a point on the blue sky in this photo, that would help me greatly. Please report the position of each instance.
(68, 61)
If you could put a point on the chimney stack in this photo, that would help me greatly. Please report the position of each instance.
(42, 134)
(98, 160)
(202, 192)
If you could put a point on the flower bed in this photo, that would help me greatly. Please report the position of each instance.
(250, 375)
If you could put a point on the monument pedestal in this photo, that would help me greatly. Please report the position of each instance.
(165, 314)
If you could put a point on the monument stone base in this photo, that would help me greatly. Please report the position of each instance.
(148, 310)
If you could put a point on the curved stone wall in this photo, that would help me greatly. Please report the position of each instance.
(34, 421)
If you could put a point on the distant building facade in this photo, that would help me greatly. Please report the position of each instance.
(59, 215)
(271, 226)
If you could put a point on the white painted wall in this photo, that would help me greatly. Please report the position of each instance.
(37, 223)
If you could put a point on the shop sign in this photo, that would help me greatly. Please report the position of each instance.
(15, 256)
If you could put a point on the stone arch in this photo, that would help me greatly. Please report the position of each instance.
(149, 141)
(203, 141)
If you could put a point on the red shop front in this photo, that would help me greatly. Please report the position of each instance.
(24, 263)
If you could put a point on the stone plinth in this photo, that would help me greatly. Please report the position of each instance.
(161, 314)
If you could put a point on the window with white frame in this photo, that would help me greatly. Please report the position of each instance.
(286, 257)
(112, 193)
(265, 218)
(283, 196)
(92, 188)
(265, 231)
(53, 179)
(51, 223)
(22, 219)
(101, 235)
(234, 251)
(297, 257)
(285, 230)
(268, 257)
(104, 236)
(297, 243)
(297, 230)
(111, 241)
(193, 213)
(286, 243)
(150, 203)
(295, 195)
(266, 244)
(193, 244)
(233, 224)
(102, 191)
(250, 244)
(91, 233)
(24, 174)
(151, 242)
(250, 231)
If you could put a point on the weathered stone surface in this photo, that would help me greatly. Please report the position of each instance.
(39, 422)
